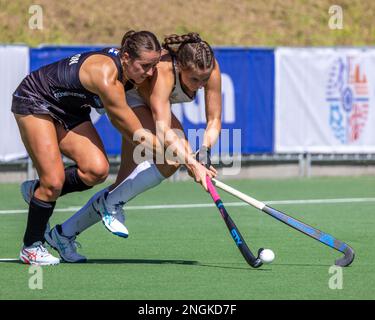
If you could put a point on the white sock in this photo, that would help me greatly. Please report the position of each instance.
(82, 219)
(145, 176)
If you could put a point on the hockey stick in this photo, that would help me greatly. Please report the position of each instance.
(235, 233)
(312, 232)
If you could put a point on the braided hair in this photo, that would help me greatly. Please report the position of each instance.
(135, 42)
(190, 51)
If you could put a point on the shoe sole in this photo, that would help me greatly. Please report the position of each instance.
(54, 247)
(119, 234)
(24, 260)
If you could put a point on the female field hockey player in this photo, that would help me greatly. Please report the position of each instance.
(187, 64)
(52, 107)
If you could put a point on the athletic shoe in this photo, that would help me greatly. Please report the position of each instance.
(65, 246)
(112, 216)
(37, 254)
(27, 189)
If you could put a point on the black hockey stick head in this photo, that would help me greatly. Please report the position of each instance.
(258, 261)
(253, 262)
(347, 259)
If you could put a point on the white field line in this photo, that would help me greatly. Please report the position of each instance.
(206, 205)
(8, 259)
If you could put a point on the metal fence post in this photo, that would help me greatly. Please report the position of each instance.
(308, 165)
(30, 169)
(301, 164)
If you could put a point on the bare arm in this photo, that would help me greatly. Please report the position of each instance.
(162, 86)
(158, 100)
(213, 107)
(98, 74)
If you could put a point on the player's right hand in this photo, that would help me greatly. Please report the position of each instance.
(199, 173)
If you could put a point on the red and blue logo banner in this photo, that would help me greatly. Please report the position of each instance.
(325, 100)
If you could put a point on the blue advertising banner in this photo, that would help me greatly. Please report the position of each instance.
(42, 56)
(248, 100)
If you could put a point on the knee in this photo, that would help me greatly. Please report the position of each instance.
(167, 170)
(96, 173)
(100, 174)
(51, 186)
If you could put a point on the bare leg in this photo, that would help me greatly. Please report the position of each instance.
(84, 146)
(38, 133)
(39, 136)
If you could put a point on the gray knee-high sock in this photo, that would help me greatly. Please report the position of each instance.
(82, 219)
(145, 176)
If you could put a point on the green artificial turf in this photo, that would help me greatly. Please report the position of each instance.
(188, 253)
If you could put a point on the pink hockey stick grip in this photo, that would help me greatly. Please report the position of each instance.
(211, 189)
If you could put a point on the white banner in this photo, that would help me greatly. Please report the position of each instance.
(325, 100)
(14, 66)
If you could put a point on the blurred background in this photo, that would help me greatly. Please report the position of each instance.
(298, 77)
(220, 22)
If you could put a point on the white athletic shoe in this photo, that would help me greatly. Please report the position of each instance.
(112, 216)
(66, 246)
(27, 189)
(37, 254)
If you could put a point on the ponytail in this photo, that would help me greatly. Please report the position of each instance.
(190, 50)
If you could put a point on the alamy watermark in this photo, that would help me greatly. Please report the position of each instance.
(226, 150)
(336, 19)
(36, 19)
(336, 281)
(36, 280)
